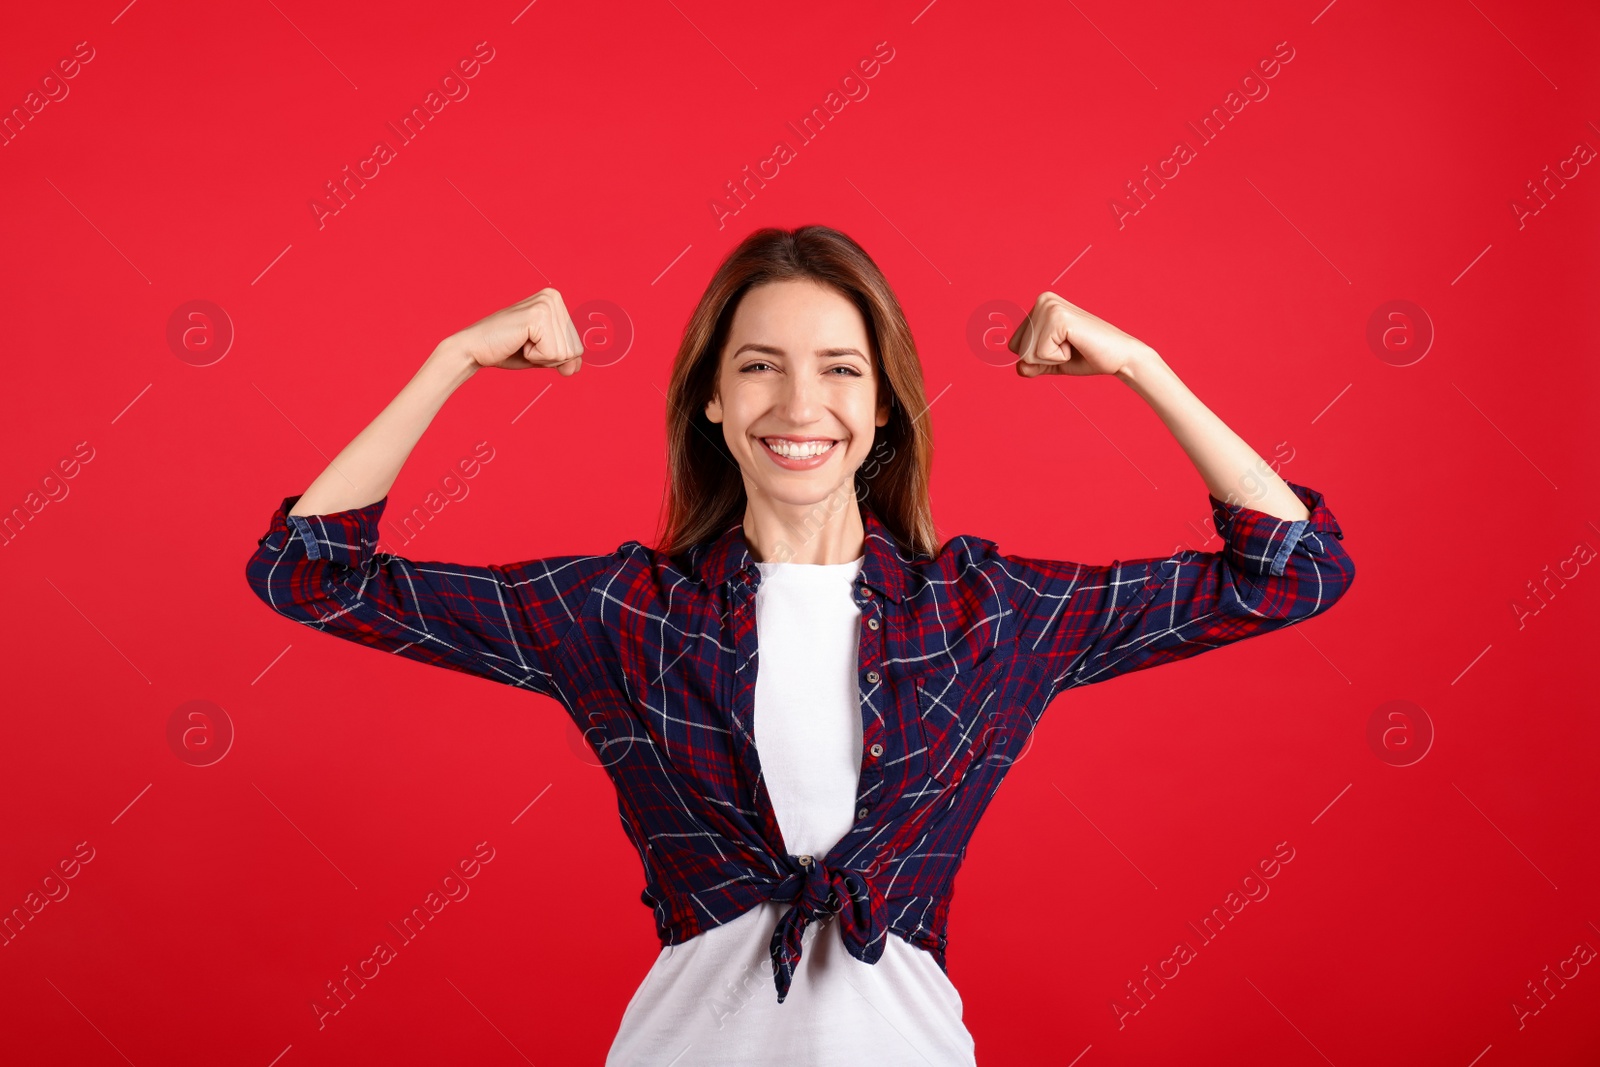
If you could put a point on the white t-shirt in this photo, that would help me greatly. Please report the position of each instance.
(711, 1000)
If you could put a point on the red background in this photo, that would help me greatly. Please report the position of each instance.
(1382, 166)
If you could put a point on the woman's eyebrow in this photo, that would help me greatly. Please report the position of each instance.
(774, 350)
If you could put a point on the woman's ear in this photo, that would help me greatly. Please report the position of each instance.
(714, 407)
(883, 410)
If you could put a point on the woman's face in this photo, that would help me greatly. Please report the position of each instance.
(797, 391)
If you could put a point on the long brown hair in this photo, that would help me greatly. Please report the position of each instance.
(705, 492)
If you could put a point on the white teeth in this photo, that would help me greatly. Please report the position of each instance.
(798, 450)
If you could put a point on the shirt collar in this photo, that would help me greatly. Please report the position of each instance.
(728, 559)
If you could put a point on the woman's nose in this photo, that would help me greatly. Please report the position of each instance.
(799, 400)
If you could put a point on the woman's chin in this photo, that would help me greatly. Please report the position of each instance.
(804, 489)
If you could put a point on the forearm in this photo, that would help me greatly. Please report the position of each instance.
(1232, 470)
(364, 472)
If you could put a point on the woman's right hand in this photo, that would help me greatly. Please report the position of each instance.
(536, 332)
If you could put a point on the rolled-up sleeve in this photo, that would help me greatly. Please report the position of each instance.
(1090, 623)
(501, 622)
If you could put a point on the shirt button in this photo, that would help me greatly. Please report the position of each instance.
(805, 861)
(877, 750)
(861, 813)
(866, 592)
(872, 676)
(872, 624)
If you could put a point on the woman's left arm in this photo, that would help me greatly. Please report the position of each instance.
(1280, 561)
(1061, 338)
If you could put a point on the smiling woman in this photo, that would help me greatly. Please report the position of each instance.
(796, 364)
(801, 396)
(805, 700)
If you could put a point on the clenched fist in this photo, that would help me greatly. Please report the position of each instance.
(536, 332)
(1059, 337)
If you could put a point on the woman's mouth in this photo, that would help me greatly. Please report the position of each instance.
(798, 455)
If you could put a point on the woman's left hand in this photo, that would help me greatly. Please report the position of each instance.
(1059, 337)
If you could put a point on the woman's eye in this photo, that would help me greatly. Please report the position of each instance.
(756, 365)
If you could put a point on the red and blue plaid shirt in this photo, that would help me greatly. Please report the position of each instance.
(655, 659)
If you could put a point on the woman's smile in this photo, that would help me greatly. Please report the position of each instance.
(799, 453)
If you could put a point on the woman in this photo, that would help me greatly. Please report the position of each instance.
(833, 782)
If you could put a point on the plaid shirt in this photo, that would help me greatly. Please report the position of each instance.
(655, 660)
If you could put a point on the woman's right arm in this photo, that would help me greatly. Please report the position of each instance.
(318, 563)
(537, 332)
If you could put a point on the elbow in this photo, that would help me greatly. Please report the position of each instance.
(1347, 569)
(1310, 586)
(258, 575)
(1331, 581)
(1337, 569)
(280, 584)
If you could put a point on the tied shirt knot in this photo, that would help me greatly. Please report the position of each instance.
(819, 890)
